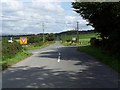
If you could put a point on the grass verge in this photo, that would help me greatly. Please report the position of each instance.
(100, 55)
(18, 57)
(33, 47)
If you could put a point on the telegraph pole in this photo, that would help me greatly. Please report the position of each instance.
(77, 31)
(43, 32)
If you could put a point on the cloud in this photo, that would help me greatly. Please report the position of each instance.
(13, 5)
(49, 6)
(27, 17)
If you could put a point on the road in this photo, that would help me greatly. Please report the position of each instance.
(58, 66)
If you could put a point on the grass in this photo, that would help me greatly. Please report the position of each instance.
(99, 54)
(81, 36)
(33, 47)
(18, 57)
(17, 40)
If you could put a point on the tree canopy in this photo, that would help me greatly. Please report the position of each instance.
(105, 18)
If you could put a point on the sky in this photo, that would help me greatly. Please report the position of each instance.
(31, 16)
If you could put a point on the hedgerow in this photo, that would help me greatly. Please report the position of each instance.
(9, 50)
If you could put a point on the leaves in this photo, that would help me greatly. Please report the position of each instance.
(105, 18)
(10, 49)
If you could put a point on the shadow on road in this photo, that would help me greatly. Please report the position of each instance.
(40, 77)
(66, 54)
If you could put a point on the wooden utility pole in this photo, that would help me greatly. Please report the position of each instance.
(77, 31)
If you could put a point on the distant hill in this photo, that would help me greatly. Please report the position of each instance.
(75, 32)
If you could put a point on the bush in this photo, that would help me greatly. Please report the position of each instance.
(68, 40)
(4, 65)
(50, 37)
(10, 49)
(38, 44)
(34, 39)
(94, 42)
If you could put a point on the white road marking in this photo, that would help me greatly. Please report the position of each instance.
(59, 57)
(59, 54)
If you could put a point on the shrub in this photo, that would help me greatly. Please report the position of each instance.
(38, 44)
(10, 49)
(4, 65)
(68, 40)
(34, 39)
(50, 37)
(94, 42)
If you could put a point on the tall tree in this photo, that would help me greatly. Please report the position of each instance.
(104, 17)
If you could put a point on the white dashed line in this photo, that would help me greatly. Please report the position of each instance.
(59, 57)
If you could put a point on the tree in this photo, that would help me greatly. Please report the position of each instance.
(50, 37)
(34, 39)
(105, 18)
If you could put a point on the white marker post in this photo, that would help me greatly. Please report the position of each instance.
(59, 57)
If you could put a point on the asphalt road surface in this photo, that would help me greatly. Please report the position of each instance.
(57, 66)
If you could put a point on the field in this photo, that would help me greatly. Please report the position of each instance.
(84, 39)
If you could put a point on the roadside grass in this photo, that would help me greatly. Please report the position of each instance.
(17, 40)
(18, 57)
(33, 46)
(103, 57)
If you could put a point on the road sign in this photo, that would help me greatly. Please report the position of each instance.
(23, 40)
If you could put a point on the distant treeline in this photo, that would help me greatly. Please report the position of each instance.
(65, 32)
(75, 32)
(27, 35)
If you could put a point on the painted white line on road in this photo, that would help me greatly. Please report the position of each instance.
(59, 57)
(59, 54)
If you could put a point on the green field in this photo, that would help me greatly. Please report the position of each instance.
(84, 39)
